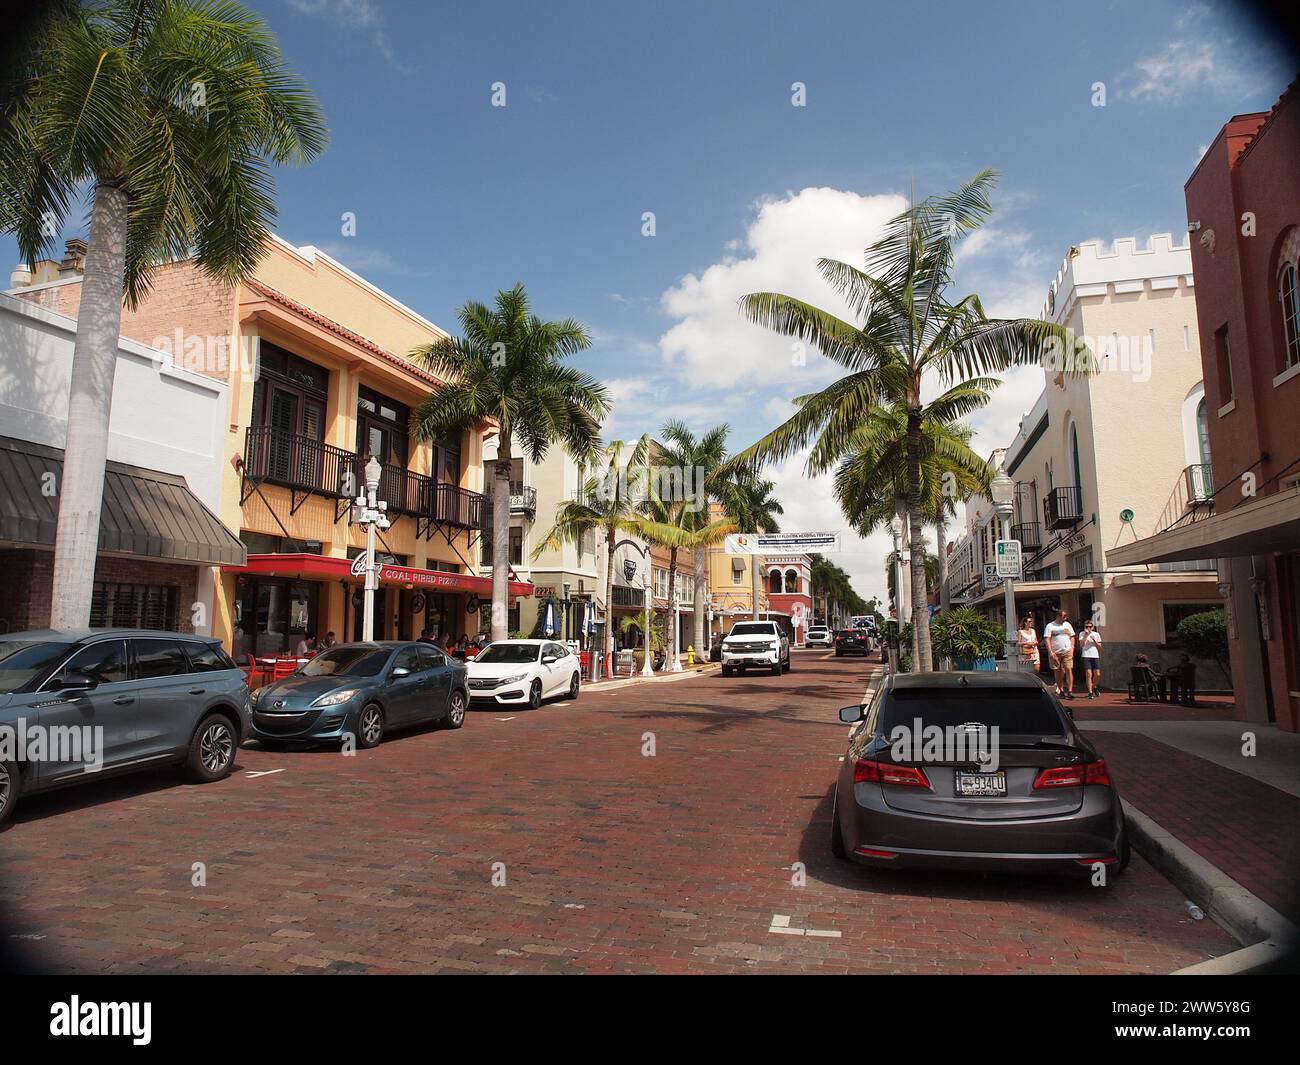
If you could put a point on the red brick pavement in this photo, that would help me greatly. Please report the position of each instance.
(614, 862)
(1244, 827)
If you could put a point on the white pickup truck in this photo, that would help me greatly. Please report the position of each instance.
(755, 643)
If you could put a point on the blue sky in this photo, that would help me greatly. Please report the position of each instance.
(684, 109)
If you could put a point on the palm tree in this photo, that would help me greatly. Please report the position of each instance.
(753, 508)
(672, 526)
(603, 507)
(169, 113)
(708, 453)
(507, 366)
(907, 328)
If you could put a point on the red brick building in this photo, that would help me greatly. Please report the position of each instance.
(1243, 210)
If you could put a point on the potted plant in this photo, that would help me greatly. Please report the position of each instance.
(967, 637)
(632, 624)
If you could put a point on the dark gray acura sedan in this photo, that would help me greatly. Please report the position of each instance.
(974, 770)
(362, 690)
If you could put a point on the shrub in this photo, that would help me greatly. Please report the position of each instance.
(966, 634)
(1205, 635)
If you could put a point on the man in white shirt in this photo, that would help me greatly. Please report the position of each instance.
(1060, 638)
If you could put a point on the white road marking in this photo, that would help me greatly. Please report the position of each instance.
(505, 719)
(262, 773)
(781, 926)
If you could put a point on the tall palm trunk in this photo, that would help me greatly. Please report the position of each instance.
(500, 544)
(753, 579)
(700, 599)
(940, 545)
(672, 598)
(920, 609)
(609, 599)
(90, 398)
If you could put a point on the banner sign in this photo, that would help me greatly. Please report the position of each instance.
(781, 543)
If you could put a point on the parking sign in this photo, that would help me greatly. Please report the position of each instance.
(1008, 559)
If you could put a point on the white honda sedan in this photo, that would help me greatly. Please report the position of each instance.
(523, 673)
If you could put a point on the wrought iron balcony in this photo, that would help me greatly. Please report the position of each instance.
(1199, 485)
(625, 595)
(309, 467)
(1192, 498)
(1063, 508)
(1029, 533)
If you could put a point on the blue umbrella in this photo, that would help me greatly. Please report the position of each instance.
(548, 624)
(589, 618)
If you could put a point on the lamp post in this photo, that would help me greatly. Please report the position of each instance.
(647, 668)
(371, 515)
(1002, 492)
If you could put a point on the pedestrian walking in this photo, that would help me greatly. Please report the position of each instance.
(1091, 645)
(1061, 641)
(1027, 638)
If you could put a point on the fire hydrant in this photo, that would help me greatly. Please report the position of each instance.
(690, 655)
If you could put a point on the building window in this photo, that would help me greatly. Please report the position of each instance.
(1289, 297)
(791, 581)
(774, 582)
(1223, 364)
(1080, 563)
(737, 571)
(661, 583)
(133, 606)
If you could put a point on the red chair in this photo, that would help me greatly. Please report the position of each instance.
(254, 670)
(284, 667)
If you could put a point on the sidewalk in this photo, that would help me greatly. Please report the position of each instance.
(1191, 778)
(699, 669)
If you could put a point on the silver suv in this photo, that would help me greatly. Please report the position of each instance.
(755, 643)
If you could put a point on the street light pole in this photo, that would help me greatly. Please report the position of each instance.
(370, 516)
(1002, 492)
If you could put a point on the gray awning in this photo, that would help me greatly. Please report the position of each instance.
(145, 513)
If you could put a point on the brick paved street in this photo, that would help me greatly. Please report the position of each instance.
(613, 862)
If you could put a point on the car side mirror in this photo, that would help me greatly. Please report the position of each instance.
(548, 659)
(78, 682)
(400, 671)
(850, 714)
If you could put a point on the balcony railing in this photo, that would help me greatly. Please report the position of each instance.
(1191, 499)
(1029, 533)
(1063, 509)
(307, 465)
(298, 462)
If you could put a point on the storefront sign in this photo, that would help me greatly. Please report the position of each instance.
(781, 543)
(360, 564)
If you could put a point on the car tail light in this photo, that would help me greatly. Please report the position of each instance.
(907, 776)
(871, 852)
(1095, 861)
(1074, 776)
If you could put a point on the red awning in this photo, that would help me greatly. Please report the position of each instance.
(325, 567)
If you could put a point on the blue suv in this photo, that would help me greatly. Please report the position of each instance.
(76, 706)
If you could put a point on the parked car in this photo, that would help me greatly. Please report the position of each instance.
(755, 643)
(1046, 803)
(152, 698)
(362, 690)
(852, 641)
(524, 672)
(819, 636)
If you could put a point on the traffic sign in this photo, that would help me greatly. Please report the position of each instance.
(1008, 559)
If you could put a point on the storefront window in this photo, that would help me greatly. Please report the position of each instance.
(273, 615)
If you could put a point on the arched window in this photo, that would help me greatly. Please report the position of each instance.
(791, 581)
(774, 582)
(1289, 298)
(1203, 433)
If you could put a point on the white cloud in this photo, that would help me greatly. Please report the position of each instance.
(713, 344)
(1179, 67)
(355, 15)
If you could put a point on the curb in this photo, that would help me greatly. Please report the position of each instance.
(1267, 937)
(623, 682)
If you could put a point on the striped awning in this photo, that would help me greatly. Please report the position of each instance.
(144, 512)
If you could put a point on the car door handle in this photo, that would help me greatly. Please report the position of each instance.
(124, 700)
(197, 691)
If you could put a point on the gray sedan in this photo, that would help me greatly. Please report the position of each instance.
(357, 692)
(974, 771)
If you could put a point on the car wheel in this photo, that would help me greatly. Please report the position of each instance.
(370, 726)
(535, 695)
(9, 782)
(788, 663)
(727, 671)
(838, 653)
(837, 836)
(455, 710)
(776, 669)
(575, 685)
(212, 749)
(1125, 852)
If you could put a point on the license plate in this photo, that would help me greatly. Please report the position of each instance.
(981, 785)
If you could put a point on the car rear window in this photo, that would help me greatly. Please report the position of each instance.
(1015, 711)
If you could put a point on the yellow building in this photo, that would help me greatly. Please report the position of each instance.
(316, 362)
